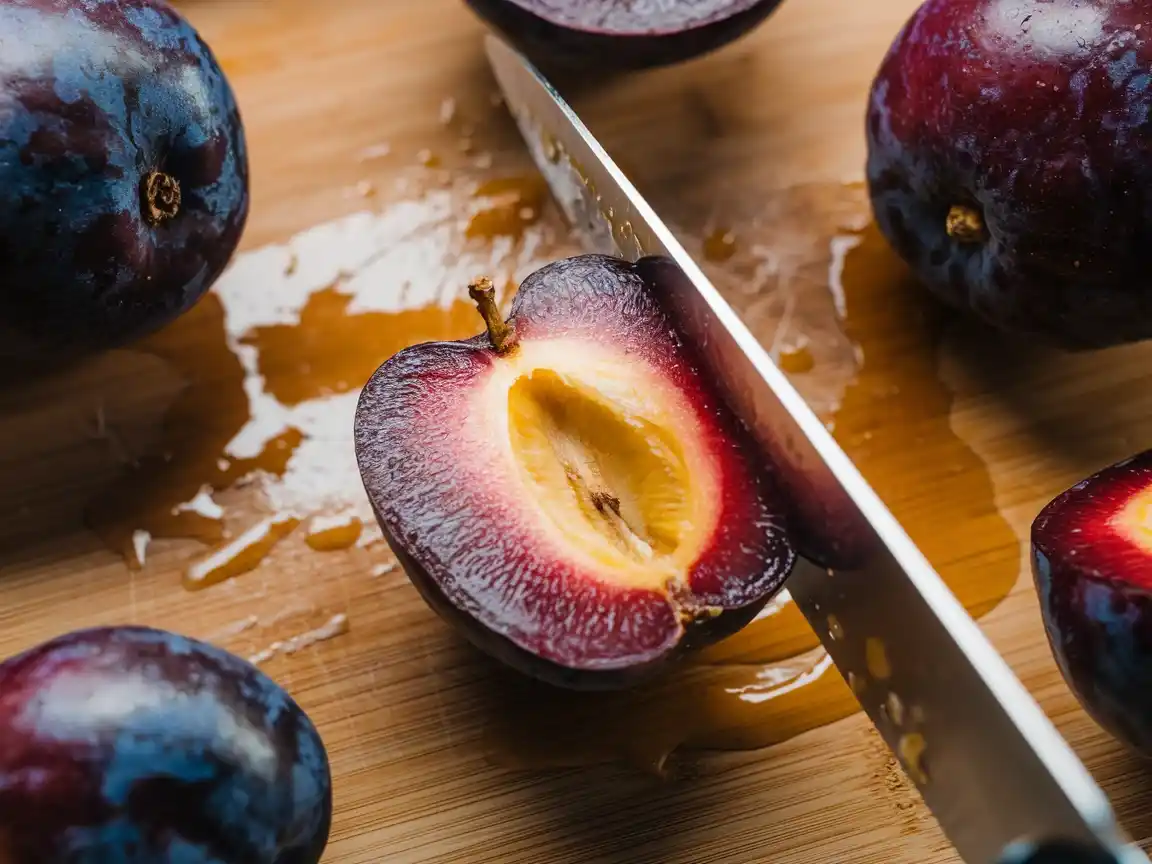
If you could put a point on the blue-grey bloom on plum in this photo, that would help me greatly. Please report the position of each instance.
(136, 745)
(124, 169)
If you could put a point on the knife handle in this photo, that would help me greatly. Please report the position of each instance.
(1056, 852)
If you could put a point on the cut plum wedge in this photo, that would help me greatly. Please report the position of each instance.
(567, 489)
(1092, 563)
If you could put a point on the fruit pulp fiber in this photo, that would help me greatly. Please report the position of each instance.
(596, 447)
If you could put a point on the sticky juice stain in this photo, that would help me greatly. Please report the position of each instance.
(507, 207)
(796, 360)
(239, 556)
(154, 493)
(720, 245)
(333, 533)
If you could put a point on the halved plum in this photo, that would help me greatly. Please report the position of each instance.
(614, 35)
(568, 489)
(1092, 563)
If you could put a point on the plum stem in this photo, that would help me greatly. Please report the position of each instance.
(159, 197)
(483, 293)
(965, 224)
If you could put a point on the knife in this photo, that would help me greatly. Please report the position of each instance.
(1000, 780)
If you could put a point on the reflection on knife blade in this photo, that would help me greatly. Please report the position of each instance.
(985, 758)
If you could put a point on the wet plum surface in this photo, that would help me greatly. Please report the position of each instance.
(1010, 162)
(137, 745)
(123, 167)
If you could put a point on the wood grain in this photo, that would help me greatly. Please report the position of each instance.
(399, 700)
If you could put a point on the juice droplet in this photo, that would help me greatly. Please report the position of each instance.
(895, 709)
(551, 147)
(239, 556)
(140, 541)
(447, 111)
(333, 533)
(835, 629)
(796, 361)
(911, 747)
(383, 569)
(876, 659)
(856, 684)
(510, 206)
(719, 246)
(375, 151)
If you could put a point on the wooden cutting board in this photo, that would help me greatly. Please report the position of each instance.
(385, 175)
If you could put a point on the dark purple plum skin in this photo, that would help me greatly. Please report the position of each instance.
(1095, 591)
(1036, 113)
(94, 95)
(133, 744)
(600, 44)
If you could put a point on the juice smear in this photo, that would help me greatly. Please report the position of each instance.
(512, 205)
(796, 360)
(273, 359)
(241, 555)
(156, 494)
(333, 533)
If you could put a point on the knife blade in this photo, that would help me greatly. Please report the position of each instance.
(986, 760)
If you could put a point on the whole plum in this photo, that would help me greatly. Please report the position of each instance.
(123, 167)
(1010, 162)
(132, 744)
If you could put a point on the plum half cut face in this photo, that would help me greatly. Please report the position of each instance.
(1092, 563)
(568, 490)
(614, 35)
